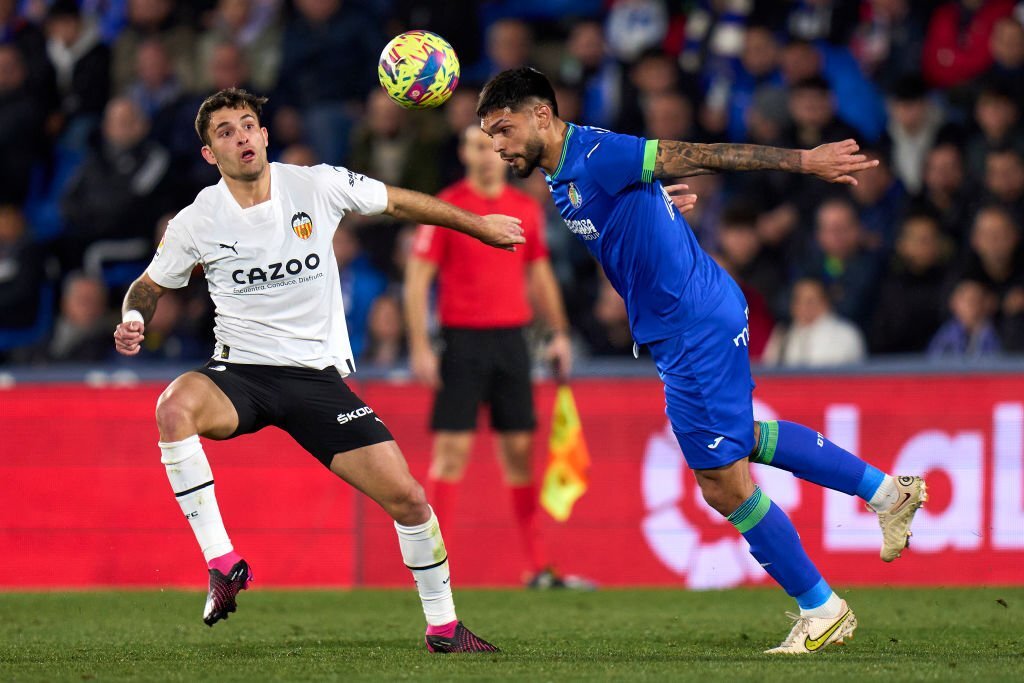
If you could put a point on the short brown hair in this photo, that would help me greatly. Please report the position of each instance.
(228, 98)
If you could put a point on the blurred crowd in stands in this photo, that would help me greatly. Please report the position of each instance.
(924, 256)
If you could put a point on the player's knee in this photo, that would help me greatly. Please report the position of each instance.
(715, 499)
(450, 455)
(518, 472)
(175, 415)
(448, 467)
(723, 499)
(408, 506)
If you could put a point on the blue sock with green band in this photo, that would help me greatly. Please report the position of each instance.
(810, 456)
(775, 544)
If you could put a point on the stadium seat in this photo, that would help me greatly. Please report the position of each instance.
(14, 338)
(117, 262)
(45, 190)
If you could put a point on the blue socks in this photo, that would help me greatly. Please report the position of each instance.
(775, 544)
(870, 482)
(809, 455)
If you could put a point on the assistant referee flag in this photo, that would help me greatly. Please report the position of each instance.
(568, 459)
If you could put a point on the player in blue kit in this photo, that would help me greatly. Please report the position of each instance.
(692, 317)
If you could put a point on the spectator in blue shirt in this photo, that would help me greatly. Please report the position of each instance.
(970, 333)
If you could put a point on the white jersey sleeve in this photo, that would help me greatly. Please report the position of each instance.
(350, 191)
(175, 257)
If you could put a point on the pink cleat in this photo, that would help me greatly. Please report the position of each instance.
(220, 601)
(461, 640)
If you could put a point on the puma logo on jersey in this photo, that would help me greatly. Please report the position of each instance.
(345, 418)
(229, 246)
(275, 271)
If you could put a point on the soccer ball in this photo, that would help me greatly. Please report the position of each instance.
(418, 70)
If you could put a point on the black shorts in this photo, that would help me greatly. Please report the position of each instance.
(315, 407)
(484, 366)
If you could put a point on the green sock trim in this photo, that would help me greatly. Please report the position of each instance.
(767, 441)
(753, 510)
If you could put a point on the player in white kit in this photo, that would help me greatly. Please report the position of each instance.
(263, 236)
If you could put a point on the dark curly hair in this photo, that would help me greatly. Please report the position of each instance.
(228, 98)
(514, 88)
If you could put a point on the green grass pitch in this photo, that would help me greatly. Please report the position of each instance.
(624, 635)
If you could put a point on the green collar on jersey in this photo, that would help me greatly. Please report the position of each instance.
(565, 146)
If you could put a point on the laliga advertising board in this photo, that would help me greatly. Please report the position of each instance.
(979, 509)
(641, 522)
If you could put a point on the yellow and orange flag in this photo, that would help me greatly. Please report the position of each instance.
(565, 479)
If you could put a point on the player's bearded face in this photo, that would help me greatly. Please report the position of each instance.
(516, 139)
(530, 158)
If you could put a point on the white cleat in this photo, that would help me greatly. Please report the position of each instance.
(810, 635)
(895, 522)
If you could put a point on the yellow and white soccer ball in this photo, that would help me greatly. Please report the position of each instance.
(418, 70)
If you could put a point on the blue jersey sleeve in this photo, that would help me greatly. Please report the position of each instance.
(617, 161)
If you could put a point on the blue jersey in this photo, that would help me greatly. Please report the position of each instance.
(605, 191)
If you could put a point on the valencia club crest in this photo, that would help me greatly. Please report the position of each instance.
(302, 225)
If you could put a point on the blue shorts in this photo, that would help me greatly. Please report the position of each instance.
(708, 386)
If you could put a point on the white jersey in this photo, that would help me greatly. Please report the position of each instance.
(270, 268)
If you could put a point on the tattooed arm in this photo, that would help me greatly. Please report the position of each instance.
(834, 162)
(141, 298)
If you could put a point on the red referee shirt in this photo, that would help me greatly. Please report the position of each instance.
(480, 286)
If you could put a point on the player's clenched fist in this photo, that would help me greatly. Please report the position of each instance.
(128, 337)
(503, 232)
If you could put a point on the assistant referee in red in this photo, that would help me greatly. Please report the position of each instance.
(484, 305)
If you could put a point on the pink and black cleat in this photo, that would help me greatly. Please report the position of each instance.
(461, 640)
(220, 601)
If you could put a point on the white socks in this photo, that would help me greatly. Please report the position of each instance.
(826, 611)
(424, 554)
(192, 482)
(886, 495)
(422, 547)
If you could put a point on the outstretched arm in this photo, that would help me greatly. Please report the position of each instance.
(833, 162)
(496, 230)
